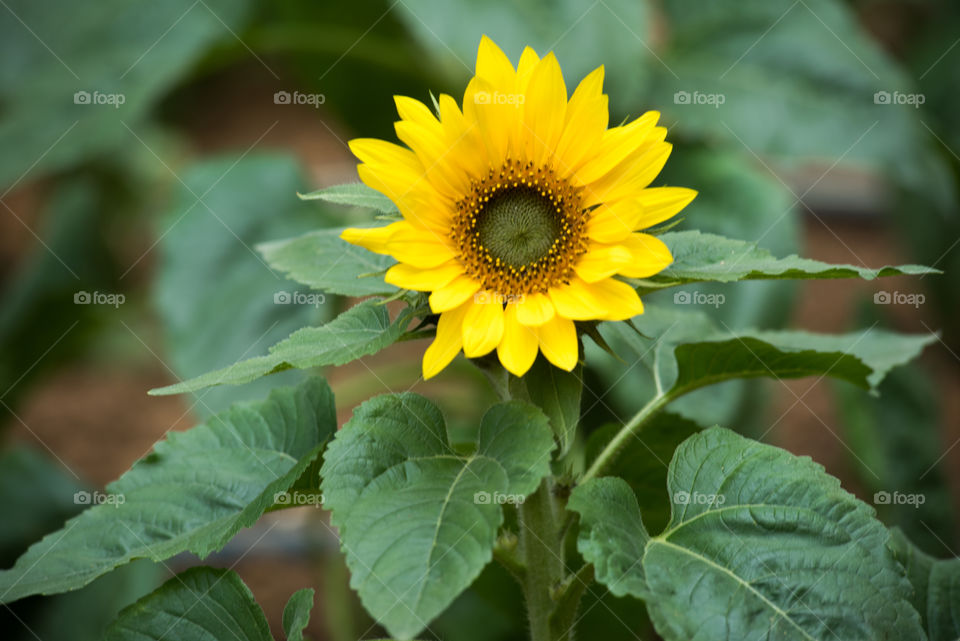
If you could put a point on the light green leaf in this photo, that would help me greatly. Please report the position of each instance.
(417, 519)
(194, 492)
(761, 544)
(690, 353)
(324, 261)
(936, 588)
(354, 194)
(201, 604)
(296, 614)
(699, 257)
(361, 330)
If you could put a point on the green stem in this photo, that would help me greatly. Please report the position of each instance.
(541, 549)
(628, 431)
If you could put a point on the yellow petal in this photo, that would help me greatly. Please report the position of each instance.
(617, 144)
(447, 343)
(534, 309)
(575, 301)
(495, 116)
(631, 177)
(423, 280)
(453, 294)
(493, 65)
(544, 110)
(482, 326)
(528, 62)
(587, 118)
(612, 222)
(661, 203)
(419, 247)
(418, 201)
(650, 256)
(620, 299)
(558, 342)
(374, 239)
(464, 137)
(518, 347)
(602, 261)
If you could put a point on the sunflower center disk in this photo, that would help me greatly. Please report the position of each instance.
(520, 230)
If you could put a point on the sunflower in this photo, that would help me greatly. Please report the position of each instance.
(519, 211)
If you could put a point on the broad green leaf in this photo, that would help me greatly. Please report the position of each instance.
(296, 614)
(354, 194)
(58, 91)
(201, 604)
(761, 544)
(217, 299)
(699, 257)
(687, 352)
(644, 460)
(324, 261)
(194, 492)
(558, 394)
(936, 588)
(417, 519)
(361, 330)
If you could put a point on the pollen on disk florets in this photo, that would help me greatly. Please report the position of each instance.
(520, 230)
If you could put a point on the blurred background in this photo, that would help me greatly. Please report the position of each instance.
(146, 148)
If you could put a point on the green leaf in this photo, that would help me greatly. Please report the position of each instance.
(296, 614)
(353, 194)
(761, 544)
(936, 588)
(215, 297)
(194, 492)
(699, 257)
(417, 519)
(324, 261)
(363, 329)
(558, 394)
(48, 58)
(689, 353)
(201, 604)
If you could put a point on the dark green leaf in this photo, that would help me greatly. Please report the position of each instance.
(296, 614)
(417, 519)
(201, 604)
(194, 492)
(361, 330)
(936, 588)
(558, 394)
(761, 544)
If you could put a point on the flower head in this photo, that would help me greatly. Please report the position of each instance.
(520, 210)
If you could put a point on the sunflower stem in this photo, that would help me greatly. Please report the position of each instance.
(541, 548)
